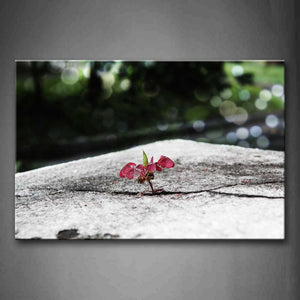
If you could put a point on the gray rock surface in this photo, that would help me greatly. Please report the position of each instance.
(213, 192)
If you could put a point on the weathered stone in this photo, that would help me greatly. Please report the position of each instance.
(213, 192)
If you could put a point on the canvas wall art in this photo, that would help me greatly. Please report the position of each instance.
(149, 150)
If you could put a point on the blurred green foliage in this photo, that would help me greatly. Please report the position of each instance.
(62, 100)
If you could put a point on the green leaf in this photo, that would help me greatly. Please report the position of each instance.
(145, 159)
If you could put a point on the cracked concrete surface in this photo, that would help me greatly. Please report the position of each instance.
(213, 192)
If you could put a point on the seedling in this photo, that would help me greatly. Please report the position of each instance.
(146, 170)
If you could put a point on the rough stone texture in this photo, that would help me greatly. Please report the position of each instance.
(213, 192)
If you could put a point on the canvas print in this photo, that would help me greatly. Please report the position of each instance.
(149, 150)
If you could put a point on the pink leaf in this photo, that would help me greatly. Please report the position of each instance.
(128, 171)
(151, 167)
(165, 162)
(158, 168)
(141, 169)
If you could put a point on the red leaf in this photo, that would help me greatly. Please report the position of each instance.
(158, 168)
(151, 167)
(141, 169)
(165, 162)
(128, 171)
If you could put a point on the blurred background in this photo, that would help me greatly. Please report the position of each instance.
(73, 109)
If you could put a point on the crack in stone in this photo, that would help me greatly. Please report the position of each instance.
(246, 195)
(211, 190)
(189, 192)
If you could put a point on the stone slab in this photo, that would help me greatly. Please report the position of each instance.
(213, 192)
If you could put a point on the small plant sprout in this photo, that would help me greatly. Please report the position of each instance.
(146, 170)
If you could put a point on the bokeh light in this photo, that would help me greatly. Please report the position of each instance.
(240, 116)
(125, 84)
(199, 125)
(244, 95)
(231, 137)
(162, 126)
(227, 108)
(242, 133)
(260, 104)
(265, 95)
(237, 70)
(277, 90)
(255, 131)
(272, 121)
(263, 142)
(226, 94)
(215, 101)
(69, 75)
